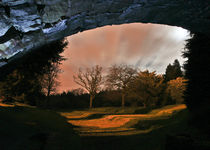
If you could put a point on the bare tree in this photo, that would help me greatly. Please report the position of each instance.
(91, 80)
(49, 80)
(119, 77)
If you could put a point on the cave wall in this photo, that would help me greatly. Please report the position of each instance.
(29, 24)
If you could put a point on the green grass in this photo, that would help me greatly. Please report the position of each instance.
(24, 128)
(154, 140)
(120, 110)
(161, 129)
(114, 110)
(127, 110)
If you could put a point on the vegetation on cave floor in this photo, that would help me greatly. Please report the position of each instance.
(115, 129)
(120, 121)
(30, 128)
(33, 128)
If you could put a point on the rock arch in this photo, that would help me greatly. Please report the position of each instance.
(29, 24)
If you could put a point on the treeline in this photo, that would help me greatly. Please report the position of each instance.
(123, 86)
(33, 80)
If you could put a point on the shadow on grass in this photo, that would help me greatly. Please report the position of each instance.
(172, 121)
(166, 133)
(154, 140)
(24, 128)
(144, 110)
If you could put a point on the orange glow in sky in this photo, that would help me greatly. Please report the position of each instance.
(145, 46)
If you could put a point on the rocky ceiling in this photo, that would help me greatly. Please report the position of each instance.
(29, 24)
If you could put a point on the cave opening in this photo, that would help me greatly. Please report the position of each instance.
(48, 21)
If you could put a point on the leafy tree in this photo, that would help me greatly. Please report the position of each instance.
(91, 80)
(28, 71)
(177, 68)
(176, 88)
(148, 87)
(169, 73)
(8, 88)
(119, 78)
(173, 71)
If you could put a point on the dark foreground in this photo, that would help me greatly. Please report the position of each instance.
(26, 128)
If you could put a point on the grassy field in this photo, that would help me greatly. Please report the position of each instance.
(116, 128)
(153, 138)
(109, 128)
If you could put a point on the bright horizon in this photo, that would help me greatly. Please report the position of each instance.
(145, 46)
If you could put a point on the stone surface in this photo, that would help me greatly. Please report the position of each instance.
(28, 24)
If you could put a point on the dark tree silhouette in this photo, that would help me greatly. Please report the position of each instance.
(173, 71)
(177, 68)
(29, 70)
(197, 96)
(169, 73)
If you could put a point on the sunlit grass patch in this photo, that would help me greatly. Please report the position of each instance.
(6, 105)
(144, 134)
(168, 109)
(115, 110)
(123, 124)
(99, 112)
(76, 114)
(104, 122)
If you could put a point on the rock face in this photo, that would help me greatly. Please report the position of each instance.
(28, 24)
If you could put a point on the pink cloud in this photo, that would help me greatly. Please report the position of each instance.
(147, 45)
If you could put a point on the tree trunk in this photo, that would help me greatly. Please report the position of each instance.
(91, 101)
(48, 98)
(48, 93)
(123, 100)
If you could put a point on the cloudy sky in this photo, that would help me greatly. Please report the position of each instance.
(145, 46)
